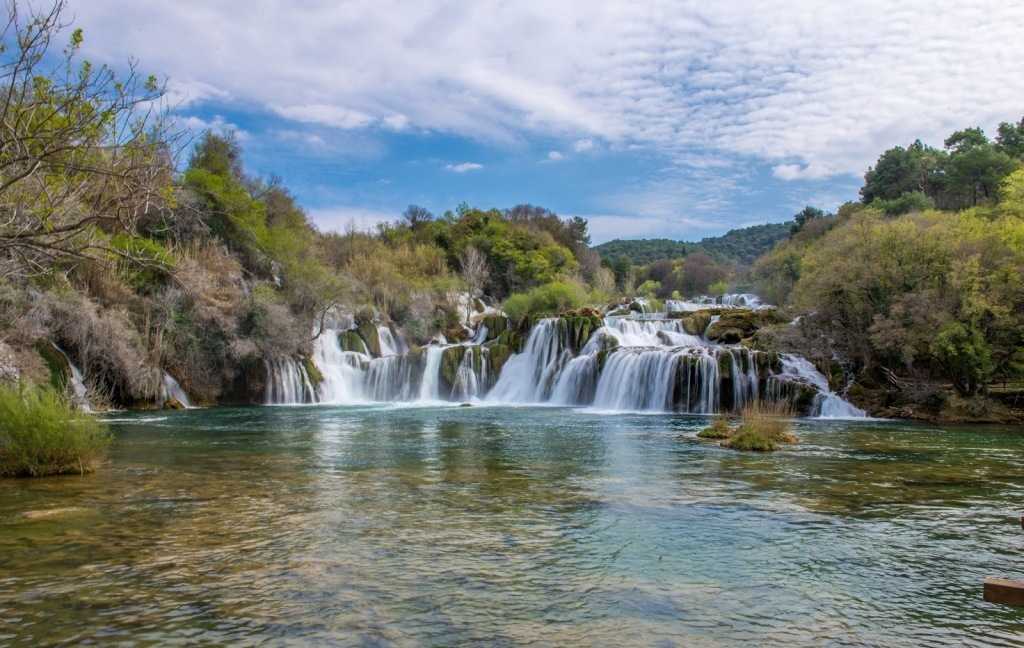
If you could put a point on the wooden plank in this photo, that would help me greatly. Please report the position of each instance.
(1004, 591)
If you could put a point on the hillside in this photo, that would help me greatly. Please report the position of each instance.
(742, 245)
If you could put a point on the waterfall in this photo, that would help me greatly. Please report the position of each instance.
(827, 404)
(728, 300)
(430, 384)
(637, 380)
(389, 343)
(287, 383)
(79, 393)
(342, 370)
(640, 362)
(468, 385)
(528, 377)
(171, 390)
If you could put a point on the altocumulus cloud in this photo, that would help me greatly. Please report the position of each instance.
(463, 167)
(812, 89)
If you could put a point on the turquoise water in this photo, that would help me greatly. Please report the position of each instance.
(507, 527)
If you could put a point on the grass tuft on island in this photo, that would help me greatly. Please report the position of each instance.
(41, 433)
(719, 429)
(763, 427)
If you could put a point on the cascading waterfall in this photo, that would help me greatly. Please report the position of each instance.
(287, 383)
(171, 390)
(79, 393)
(827, 404)
(528, 377)
(430, 385)
(645, 362)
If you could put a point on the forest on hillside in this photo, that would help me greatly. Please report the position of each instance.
(742, 245)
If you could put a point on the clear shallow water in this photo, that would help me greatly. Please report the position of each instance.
(499, 526)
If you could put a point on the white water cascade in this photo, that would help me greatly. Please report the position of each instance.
(648, 362)
(827, 404)
(171, 390)
(287, 383)
(79, 393)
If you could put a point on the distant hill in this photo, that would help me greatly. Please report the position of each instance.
(742, 245)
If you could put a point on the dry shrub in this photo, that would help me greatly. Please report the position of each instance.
(763, 427)
(107, 347)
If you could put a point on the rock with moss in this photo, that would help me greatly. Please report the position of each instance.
(451, 358)
(56, 362)
(696, 323)
(313, 372)
(496, 325)
(736, 324)
(371, 336)
(352, 341)
(497, 354)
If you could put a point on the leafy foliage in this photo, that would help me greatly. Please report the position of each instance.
(41, 433)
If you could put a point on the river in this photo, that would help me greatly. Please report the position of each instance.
(489, 525)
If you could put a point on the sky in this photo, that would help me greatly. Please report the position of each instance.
(655, 119)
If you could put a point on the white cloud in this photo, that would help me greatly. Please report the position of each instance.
(343, 218)
(788, 82)
(396, 122)
(217, 124)
(463, 167)
(583, 145)
(555, 156)
(326, 115)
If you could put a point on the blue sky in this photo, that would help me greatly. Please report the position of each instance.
(676, 119)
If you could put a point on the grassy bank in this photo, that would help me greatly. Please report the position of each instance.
(41, 434)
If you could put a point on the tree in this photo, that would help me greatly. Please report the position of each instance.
(1010, 139)
(474, 269)
(904, 170)
(975, 168)
(83, 153)
(416, 216)
(805, 216)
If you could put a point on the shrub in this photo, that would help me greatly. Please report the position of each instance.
(550, 299)
(763, 427)
(719, 429)
(41, 433)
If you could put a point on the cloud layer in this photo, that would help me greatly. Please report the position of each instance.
(813, 88)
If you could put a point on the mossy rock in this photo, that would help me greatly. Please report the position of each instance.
(734, 325)
(696, 323)
(513, 339)
(456, 334)
(496, 325)
(478, 305)
(314, 373)
(368, 332)
(173, 404)
(451, 358)
(351, 341)
(60, 370)
(498, 354)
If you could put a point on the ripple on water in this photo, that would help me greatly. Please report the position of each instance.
(403, 526)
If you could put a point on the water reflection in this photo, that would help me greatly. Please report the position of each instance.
(507, 527)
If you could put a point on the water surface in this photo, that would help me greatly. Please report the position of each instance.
(514, 526)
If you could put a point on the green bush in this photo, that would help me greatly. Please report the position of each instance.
(41, 433)
(719, 429)
(550, 299)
